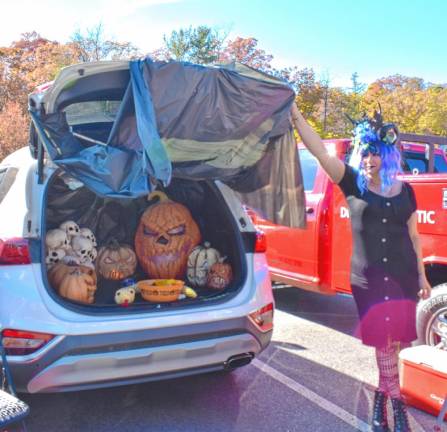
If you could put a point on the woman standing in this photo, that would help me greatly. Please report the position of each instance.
(387, 271)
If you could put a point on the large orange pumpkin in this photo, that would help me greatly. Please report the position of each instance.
(78, 286)
(166, 235)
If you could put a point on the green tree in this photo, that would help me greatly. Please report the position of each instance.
(201, 45)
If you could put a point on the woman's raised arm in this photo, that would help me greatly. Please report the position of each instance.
(333, 166)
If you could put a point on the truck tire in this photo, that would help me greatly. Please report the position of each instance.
(427, 315)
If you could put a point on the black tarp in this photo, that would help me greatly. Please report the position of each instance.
(227, 123)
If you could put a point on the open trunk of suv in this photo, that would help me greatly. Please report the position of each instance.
(116, 220)
(120, 130)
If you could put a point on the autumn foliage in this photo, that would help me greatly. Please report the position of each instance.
(416, 106)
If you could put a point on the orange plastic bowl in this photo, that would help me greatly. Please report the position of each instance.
(160, 290)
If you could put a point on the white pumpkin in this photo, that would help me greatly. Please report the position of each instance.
(200, 260)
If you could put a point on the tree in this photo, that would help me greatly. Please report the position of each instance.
(201, 45)
(14, 125)
(357, 87)
(246, 51)
(91, 45)
(29, 62)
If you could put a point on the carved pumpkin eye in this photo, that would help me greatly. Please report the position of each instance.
(179, 230)
(108, 260)
(149, 232)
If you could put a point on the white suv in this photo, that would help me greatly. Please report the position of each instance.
(54, 344)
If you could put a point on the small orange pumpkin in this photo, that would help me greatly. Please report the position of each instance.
(78, 286)
(220, 275)
(116, 261)
(166, 235)
(57, 273)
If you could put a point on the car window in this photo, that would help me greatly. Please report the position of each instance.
(309, 166)
(7, 177)
(416, 163)
(440, 164)
(92, 112)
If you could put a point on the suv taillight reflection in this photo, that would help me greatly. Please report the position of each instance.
(18, 342)
(263, 318)
(14, 251)
(260, 242)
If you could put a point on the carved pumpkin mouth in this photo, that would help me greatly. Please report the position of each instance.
(218, 281)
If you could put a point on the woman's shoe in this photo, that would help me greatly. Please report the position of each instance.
(401, 423)
(379, 420)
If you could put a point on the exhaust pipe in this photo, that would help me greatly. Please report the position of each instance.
(238, 360)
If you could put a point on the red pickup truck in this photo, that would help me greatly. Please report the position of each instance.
(317, 258)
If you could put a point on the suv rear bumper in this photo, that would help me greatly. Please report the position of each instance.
(103, 360)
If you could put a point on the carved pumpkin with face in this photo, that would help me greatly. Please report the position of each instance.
(165, 237)
(220, 275)
(116, 261)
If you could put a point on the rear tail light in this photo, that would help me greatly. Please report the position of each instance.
(260, 242)
(14, 251)
(18, 342)
(263, 318)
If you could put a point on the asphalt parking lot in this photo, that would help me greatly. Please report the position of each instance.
(315, 376)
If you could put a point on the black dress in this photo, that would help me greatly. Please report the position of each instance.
(384, 274)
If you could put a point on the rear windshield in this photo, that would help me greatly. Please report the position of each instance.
(92, 112)
(416, 163)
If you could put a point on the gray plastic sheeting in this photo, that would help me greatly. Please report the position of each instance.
(206, 123)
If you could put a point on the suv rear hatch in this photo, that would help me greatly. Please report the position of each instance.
(119, 130)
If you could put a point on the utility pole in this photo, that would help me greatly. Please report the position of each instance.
(325, 82)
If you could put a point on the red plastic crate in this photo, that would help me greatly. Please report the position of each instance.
(423, 377)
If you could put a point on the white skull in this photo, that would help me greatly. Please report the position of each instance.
(54, 256)
(88, 233)
(56, 239)
(81, 246)
(71, 228)
(93, 254)
(71, 259)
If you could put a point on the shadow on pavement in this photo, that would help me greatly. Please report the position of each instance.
(337, 312)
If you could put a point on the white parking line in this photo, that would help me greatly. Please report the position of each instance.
(323, 403)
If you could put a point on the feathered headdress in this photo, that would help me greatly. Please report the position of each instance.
(370, 131)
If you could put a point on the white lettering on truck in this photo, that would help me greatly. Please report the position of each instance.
(344, 212)
(426, 216)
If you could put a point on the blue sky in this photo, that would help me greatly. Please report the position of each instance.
(373, 38)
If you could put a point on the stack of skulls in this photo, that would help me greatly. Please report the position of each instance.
(70, 244)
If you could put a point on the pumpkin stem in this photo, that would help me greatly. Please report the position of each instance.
(113, 243)
(207, 244)
(157, 194)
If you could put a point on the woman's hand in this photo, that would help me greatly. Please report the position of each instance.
(424, 287)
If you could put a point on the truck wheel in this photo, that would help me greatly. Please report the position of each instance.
(429, 327)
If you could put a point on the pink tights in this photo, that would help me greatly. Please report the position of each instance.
(387, 362)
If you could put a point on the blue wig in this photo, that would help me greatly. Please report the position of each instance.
(372, 136)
